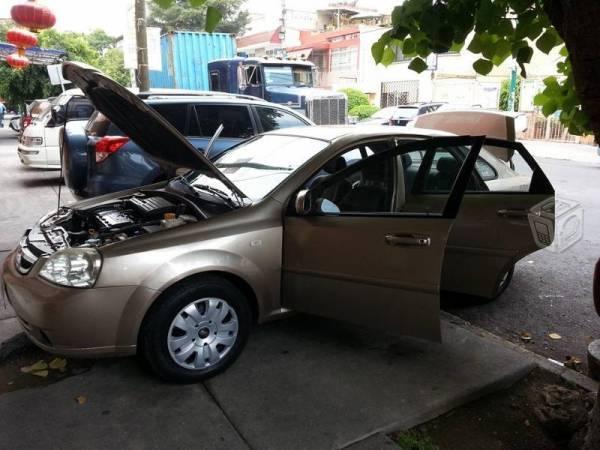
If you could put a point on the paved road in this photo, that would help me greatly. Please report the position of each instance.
(550, 292)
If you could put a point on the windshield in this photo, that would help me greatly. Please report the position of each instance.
(258, 166)
(405, 112)
(288, 75)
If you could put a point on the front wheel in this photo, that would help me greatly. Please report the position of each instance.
(196, 331)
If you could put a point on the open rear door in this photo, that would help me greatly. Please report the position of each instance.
(371, 252)
(507, 213)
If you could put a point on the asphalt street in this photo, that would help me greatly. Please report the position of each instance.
(550, 292)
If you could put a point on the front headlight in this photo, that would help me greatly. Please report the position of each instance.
(73, 267)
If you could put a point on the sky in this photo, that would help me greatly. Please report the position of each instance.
(109, 15)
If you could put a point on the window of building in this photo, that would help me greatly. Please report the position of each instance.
(344, 58)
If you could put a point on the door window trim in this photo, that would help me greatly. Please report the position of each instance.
(454, 196)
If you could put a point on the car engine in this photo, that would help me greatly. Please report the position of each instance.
(113, 221)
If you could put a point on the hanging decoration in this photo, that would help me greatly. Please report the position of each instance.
(33, 17)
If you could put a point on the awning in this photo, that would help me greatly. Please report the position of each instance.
(300, 54)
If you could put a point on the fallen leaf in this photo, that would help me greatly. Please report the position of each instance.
(58, 364)
(40, 365)
(572, 362)
(525, 336)
(555, 336)
(81, 399)
(40, 373)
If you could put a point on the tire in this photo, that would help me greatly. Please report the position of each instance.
(504, 282)
(197, 330)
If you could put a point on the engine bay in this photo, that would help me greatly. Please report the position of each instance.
(114, 220)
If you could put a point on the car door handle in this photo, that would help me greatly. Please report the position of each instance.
(406, 240)
(513, 213)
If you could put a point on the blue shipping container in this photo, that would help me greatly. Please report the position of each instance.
(185, 56)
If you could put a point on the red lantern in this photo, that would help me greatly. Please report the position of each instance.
(18, 61)
(21, 38)
(33, 16)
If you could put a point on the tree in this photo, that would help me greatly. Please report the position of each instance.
(356, 97)
(500, 29)
(504, 94)
(100, 41)
(191, 15)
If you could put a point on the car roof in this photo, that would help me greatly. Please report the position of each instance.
(332, 133)
(225, 98)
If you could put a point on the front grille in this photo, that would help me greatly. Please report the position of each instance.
(327, 110)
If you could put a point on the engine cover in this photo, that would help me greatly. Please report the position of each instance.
(113, 218)
(151, 206)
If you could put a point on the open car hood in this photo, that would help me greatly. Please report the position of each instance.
(141, 123)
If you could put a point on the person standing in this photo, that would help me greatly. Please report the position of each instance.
(2, 112)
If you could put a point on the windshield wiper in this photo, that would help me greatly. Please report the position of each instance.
(219, 193)
(254, 166)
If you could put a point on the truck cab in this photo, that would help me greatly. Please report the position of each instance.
(284, 81)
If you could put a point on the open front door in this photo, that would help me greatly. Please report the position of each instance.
(370, 252)
(507, 213)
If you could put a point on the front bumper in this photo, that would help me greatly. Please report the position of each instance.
(71, 321)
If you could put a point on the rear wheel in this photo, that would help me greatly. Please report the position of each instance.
(196, 331)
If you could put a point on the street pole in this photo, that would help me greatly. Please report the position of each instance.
(142, 45)
(512, 88)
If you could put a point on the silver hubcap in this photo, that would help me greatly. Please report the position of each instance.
(202, 333)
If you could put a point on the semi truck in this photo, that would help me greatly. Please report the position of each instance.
(285, 81)
(208, 61)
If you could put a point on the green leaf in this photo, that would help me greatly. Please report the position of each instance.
(377, 51)
(457, 47)
(483, 66)
(417, 65)
(547, 41)
(549, 107)
(388, 56)
(540, 99)
(197, 3)
(213, 17)
(563, 51)
(524, 55)
(408, 47)
(476, 44)
(502, 51)
(519, 6)
(534, 30)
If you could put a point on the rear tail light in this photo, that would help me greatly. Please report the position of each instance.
(597, 287)
(27, 121)
(109, 145)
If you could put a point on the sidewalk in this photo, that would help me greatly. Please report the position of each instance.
(303, 382)
(563, 150)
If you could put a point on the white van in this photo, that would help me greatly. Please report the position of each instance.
(39, 146)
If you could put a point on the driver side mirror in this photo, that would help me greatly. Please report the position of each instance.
(58, 115)
(303, 202)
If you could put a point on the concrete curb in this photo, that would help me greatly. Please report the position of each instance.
(567, 374)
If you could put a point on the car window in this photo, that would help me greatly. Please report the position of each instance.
(79, 108)
(378, 185)
(176, 114)
(275, 119)
(235, 119)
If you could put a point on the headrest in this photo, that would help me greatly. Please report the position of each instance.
(447, 164)
(335, 165)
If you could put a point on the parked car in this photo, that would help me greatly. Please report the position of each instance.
(400, 115)
(99, 158)
(39, 144)
(351, 223)
(33, 108)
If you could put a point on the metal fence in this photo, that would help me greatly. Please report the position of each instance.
(395, 93)
(327, 111)
(550, 129)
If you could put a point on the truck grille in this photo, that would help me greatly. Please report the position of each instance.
(327, 111)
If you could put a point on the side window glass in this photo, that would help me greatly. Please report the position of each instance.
(252, 75)
(504, 170)
(235, 119)
(275, 119)
(215, 81)
(176, 114)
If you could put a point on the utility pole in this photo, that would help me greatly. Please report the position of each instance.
(142, 45)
